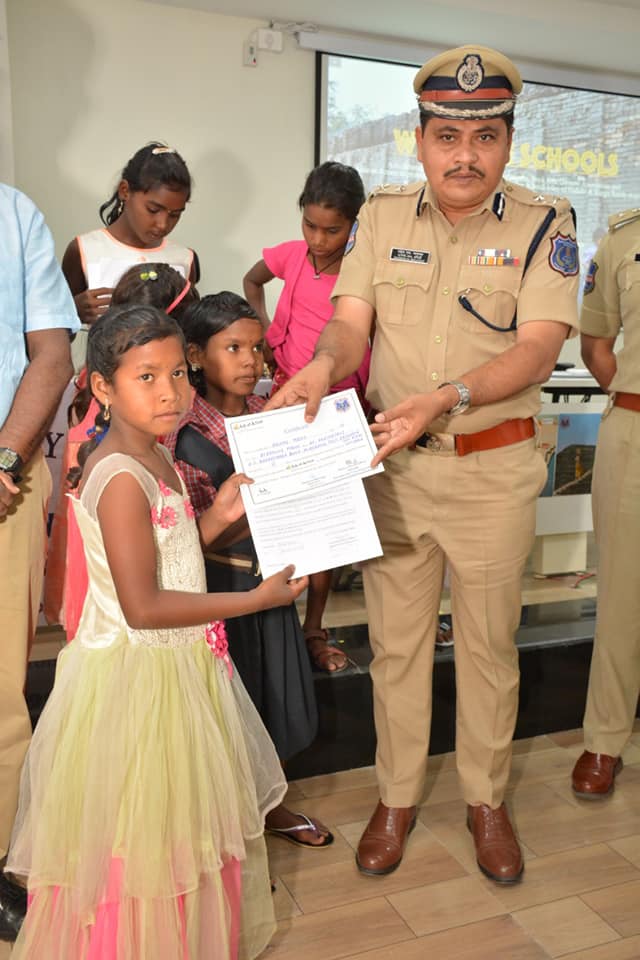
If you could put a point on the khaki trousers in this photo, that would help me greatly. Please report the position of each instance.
(22, 554)
(478, 512)
(614, 681)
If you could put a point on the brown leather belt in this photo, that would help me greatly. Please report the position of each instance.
(229, 560)
(630, 401)
(503, 435)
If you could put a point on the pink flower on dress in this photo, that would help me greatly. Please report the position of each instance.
(188, 509)
(165, 518)
(215, 634)
(164, 489)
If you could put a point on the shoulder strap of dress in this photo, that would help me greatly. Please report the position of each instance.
(108, 468)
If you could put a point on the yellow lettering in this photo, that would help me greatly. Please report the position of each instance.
(405, 142)
(538, 157)
(525, 154)
(570, 160)
(554, 158)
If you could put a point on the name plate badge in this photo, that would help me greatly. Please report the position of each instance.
(409, 256)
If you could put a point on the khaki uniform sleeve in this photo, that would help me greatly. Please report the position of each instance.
(600, 314)
(358, 265)
(546, 294)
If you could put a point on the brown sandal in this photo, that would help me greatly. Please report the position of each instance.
(323, 656)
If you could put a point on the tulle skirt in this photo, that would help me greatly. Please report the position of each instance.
(141, 811)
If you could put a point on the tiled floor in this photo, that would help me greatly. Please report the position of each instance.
(579, 898)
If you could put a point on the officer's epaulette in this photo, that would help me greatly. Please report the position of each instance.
(533, 199)
(622, 219)
(396, 190)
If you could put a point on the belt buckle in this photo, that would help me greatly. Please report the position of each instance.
(430, 441)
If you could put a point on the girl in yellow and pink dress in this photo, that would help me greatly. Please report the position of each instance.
(144, 792)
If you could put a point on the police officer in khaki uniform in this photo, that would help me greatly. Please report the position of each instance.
(612, 303)
(472, 285)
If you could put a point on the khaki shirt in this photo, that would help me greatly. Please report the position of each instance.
(412, 266)
(612, 296)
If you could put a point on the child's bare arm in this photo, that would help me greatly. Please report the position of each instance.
(90, 304)
(225, 511)
(253, 285)
(124, 517)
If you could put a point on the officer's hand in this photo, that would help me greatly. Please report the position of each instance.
(308, 386)
(91, 304)
(400, 426)
(8, 490)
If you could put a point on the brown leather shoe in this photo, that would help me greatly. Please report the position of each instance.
(498, 853)
(594, 774)
(382, 844)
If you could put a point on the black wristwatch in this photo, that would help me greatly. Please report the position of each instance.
(11, 463)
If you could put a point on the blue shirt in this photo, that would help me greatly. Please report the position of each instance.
(33, 292)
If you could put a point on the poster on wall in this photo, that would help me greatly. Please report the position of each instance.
(568, 444)
(581, 144)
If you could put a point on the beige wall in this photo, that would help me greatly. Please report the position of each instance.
(92, 81)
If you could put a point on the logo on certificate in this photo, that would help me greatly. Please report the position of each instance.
(342, 405)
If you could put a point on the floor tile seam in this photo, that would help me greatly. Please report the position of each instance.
(450, 852)
(604, 943)
(628, 836)
(580, 893)
(373, 896)
(503, 913)
(532, 936)
(414, 935)
(623, 883)
(291, 894)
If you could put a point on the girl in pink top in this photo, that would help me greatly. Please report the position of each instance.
(332, 195)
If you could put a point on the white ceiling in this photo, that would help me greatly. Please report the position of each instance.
(596, 34)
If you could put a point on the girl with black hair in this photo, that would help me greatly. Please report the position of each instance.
(151, 195)
(144, 791)
(330, 200)
(225, 345)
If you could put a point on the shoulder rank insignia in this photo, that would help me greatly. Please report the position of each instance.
(563, 256)
(590, 279)
(622, 219)
(351, 242)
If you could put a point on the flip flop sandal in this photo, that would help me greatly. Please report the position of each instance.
(321, 658)
(289, 833)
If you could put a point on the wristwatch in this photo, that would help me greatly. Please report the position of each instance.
(464, 397)
(11, 463)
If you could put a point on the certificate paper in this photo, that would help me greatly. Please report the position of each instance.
(318, 531)
(285, 456)
(307, 505)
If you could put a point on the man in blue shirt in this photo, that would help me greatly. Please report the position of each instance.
(37, 317)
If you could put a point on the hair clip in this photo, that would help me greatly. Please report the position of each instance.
(158, 150)
(96, 434)
(149, 275)
(180, 297)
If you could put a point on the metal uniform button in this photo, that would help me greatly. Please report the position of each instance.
(438, 339)
(487, 288)
(400, 282)
(445, 290)
(434, 376)
(453, 239)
